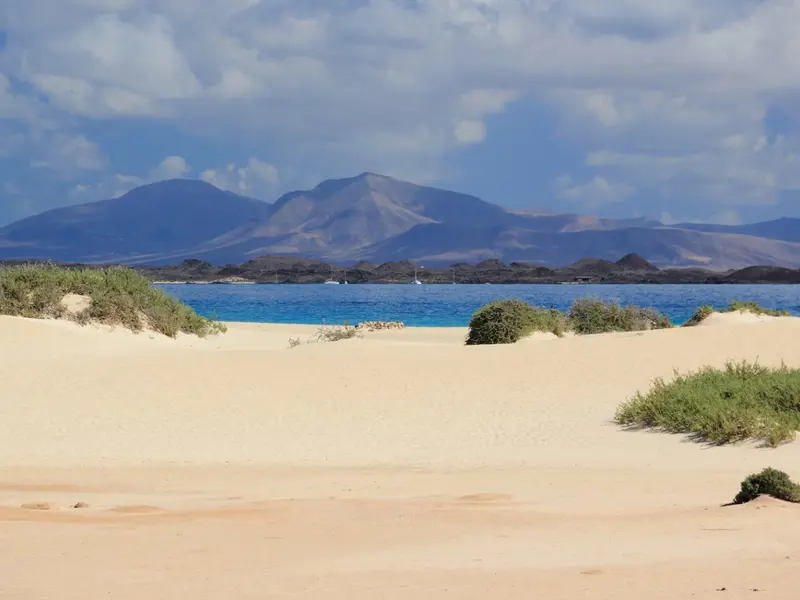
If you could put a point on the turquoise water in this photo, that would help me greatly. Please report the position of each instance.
(450, 305)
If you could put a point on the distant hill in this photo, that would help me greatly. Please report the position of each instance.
(786, 229)
(146, 223)
(634, 262)
(375, 219)
(438, 244)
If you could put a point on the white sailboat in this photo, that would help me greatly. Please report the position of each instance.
(332, 281)
(416, 281)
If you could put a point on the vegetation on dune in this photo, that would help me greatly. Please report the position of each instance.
(742, 401)
(770, 482)
(547, 320)
(119, 296)
(508, 321)
(747, 306)
(335, 333)
(329, 333)
(589, 316)
(703, 312)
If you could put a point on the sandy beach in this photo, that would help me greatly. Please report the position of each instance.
(401, 465)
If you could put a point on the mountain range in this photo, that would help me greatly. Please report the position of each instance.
(376, 218)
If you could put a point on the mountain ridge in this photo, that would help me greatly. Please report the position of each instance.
(374, 218)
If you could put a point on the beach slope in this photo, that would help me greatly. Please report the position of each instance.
(398, 465)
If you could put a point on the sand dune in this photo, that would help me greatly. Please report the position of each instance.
(400, 465)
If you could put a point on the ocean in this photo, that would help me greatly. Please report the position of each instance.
(450, 305)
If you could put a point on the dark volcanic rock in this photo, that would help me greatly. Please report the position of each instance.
(764, 275)
(283, 269)
(634, 262)
(593, 266)
(490, 264)
(365, 265)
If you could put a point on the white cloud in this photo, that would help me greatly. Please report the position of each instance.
(592, 194)
(724, 217)
(257, 178)
(13, 105)
(482, 102)
(117, 184)
(68, 156)
(112, 66)
(470, 132)
(172, 167)
(112, 186)
(736, 170)
(683, 86)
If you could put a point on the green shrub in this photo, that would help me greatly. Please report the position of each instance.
(700, 315)
(770, 482)
(508, 321)
(742, 401)
(500, 322)
(119, 296)
(705, 311)
(752, 307)
(548, 320)
(589, 316)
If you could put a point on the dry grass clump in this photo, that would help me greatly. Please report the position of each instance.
(335, 333)
(770, 482)
(705, 311)
(329, 333)
(119, 296)
(740, 402)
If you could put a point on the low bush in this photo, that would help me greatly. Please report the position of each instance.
(119, 296)
(770, 482)
(335, 333)
(589, 316)
(742, 401)
(703, 312)
(699, 315)
(508, 321)
(548, 320)
(752, 307)
(500, 322)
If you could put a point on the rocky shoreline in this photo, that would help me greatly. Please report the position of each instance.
(631, 269)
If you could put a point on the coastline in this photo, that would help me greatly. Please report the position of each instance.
(532, 283)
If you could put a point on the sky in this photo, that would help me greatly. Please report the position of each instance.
(681, 110)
